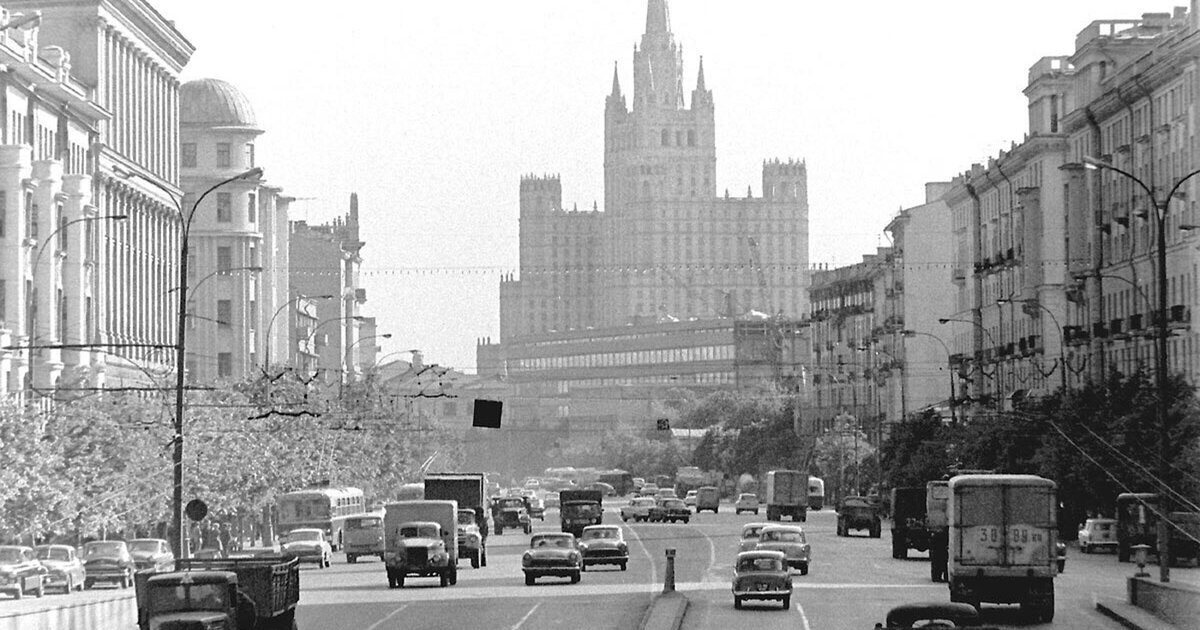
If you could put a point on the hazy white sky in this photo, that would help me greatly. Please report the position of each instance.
(431, 112)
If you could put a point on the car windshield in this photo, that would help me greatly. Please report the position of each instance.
(9, 555)
(592, 534)
(759, 564)
(747, 497)
(172, 598)
(674, 503)
(144, 546)
(782, 535)
(643, 502)
(466, 518)
(751, 532)
(52, 553)
(366, 522)
(507, 504)
(303, 535)
(562, 542)
(419, 531)
(102, 549)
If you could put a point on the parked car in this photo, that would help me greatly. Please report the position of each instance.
(690, 499)
(1098, 533)
(788, 539)
(552, 554)
(637, 509)
(152, 553)
(670, 509)
(107, 561)
(761, 575)
(64, 569)
(308, 544)
(20, 572)
(746, 502)
(603, 544)
(750, 533)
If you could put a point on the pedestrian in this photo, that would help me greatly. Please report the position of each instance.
(226, 537)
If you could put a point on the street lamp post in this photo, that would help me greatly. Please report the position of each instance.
(1160, 215)
(271, 324)
(313, 333)
(37, 261)
(953, 402)
(1062, 350)
(349, 369)
(181, 339)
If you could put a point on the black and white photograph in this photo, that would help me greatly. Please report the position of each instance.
(599, 315)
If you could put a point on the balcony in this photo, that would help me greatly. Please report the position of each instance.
(1181, 317)
(1099, 331)
(959, 274)
(1135, 322)
(1116, 328)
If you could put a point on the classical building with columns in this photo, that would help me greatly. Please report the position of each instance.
(129, 58)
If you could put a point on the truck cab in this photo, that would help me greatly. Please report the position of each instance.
(230, 594)
(421, 540)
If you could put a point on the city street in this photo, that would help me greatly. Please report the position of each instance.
(851, 585)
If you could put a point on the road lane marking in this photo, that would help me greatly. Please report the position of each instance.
(649, 558)
(390, 615)
(526, 617)
(803, 617)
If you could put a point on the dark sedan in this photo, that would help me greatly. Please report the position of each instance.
(554, 554)
(670, 510)
(107, 561)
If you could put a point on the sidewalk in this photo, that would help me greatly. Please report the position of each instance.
(1130, 616)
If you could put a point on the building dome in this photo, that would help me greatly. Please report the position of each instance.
(213, 102)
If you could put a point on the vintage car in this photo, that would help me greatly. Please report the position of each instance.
(746, 502)
(690, 499)
(152, 553)
(603, 544)
(761, 575)
(1098, 533)
(308, 544)
(750, 534)
(552, 554)
(788, 539)
(667, 493)
(931, 615)
(64, 569)
(859, 513)
(669, 510)
(648, 490)
(606, 489)
(470, 541)
(535, 506)
(20, 572)
(551, 500)
(107, 561)
(637, 509)
(510, 513)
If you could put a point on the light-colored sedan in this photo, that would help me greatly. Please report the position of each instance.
(750, 532)
(638, 509)
(761, 575)
(603, 544)
(746, 502)
(64, 569)
(308, 544)
(1098, 533)
(790, 540)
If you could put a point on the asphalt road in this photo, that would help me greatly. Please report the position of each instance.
(851, 585)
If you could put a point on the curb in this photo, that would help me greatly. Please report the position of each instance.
(1129, 615)
(665, 612)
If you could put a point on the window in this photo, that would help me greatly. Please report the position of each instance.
(62, 226)
(249, 155)
(224, 259)
(223, 157)
(3, 300)
(31, 219)
(224, 312)
(3, 213)
(62, 315)
(252, 208)
(187, 154)
(224, 207)
(224, 364)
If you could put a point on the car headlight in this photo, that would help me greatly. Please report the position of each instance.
(574, 557)
(389, 555)
(622, 547)
(526, 559)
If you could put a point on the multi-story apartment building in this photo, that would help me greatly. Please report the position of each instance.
(129, 57)
(238, 246)
(325, 262)
(665, 247)
(613, 308)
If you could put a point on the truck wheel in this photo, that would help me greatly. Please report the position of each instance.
(685, 521)
(623, 565)
(453, 576)
(529, 579)
(877, 531)
(575, 577)
(787, 602)
(1047, 608)
(444, 579)
(528, 528)
(803, 571)
(483, 557)
(716, 510)
(475, 560)
(88, 584)
(935, 572)
(350, 559)
(737, 602)
(400, 580)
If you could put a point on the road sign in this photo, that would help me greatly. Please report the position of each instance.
(196, 510)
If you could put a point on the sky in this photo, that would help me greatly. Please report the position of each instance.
(432, 112)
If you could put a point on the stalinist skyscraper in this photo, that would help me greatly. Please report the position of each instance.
(666, 246)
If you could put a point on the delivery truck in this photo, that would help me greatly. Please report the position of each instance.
(229, 593)
(421, 540)
(786, 494)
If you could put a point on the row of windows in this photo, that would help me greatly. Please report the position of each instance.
(633, 357)
(224, 155)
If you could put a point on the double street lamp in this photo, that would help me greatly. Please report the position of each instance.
(953, 401)
(271, 324)
(181, 336)
(1062, 352)
(1161, 207)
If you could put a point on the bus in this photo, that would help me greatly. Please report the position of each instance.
(620, 480)
(816, 493)
(323, 508)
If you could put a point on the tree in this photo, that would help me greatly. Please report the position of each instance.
(841, 454)
(918, 451)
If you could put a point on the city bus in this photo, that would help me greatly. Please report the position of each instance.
(620, 480)
(323, 508)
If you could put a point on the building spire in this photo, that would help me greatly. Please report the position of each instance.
(616, 90)
(700, 79)
(658, 17)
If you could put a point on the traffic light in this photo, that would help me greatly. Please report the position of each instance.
(664, 424)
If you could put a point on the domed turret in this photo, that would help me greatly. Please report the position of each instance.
(216, 103)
